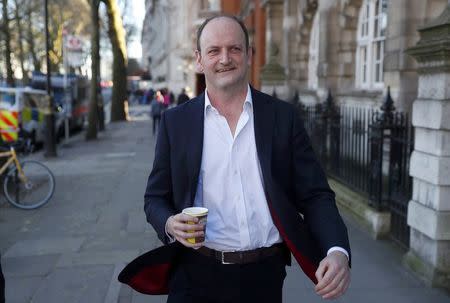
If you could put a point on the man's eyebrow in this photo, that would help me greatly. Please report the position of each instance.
(217, 46)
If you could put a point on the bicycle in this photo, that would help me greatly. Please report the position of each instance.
(28, 184)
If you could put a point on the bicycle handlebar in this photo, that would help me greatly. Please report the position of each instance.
(22, 145)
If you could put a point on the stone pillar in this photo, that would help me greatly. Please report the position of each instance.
(290, 45)
(429, 209)
(400, 70)
(273, 77)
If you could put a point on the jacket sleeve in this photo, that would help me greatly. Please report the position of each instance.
(158, 198)
(313, 196)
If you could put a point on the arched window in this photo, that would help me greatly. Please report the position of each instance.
(313, 62)
(372, 24)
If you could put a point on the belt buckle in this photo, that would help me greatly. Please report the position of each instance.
(222, 255)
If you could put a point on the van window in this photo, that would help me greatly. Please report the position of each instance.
(8, 98)
(35, 100)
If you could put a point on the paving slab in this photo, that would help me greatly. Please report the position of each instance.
(74, 285)
(96, 258)
(44, 246)
(21, 289)
(29, 266)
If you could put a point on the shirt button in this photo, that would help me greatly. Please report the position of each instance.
(235, 172)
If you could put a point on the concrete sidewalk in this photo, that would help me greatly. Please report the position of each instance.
(72, 249)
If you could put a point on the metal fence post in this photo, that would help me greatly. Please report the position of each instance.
(331, 119)
(380, 133)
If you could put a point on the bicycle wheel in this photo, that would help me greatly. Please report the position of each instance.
(36, 192)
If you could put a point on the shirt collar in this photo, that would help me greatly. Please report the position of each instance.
(248, 103)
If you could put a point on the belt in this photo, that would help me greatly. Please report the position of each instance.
(241, 257)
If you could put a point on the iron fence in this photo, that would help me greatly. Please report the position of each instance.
(368, 150)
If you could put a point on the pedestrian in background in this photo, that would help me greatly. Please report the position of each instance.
(182, 97)
(245, 157)
(156, 108)
(166, 97)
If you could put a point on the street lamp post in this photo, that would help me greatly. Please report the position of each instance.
(50, 140)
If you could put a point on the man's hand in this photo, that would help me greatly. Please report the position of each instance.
(333, 276)
(178, 227)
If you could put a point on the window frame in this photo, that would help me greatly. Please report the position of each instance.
(368, 67)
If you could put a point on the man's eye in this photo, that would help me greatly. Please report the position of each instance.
(212, 51)
(236, 49)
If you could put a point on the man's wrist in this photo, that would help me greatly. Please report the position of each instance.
(340, 249)
(166, 230)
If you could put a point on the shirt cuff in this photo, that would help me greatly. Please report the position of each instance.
(169, 236)
(337, 248)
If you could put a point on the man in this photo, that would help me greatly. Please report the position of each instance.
(182, 97)
(156, 107)
(245, 157)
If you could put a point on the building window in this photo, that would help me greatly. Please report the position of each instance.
(370, 50)
(313, 62)
(210, 5)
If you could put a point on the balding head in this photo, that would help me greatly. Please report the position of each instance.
(231, 17)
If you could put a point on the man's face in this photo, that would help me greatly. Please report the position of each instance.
(224, 58)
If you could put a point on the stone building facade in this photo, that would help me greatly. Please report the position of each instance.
(355, 48)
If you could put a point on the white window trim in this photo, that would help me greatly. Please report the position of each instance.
(368, 42)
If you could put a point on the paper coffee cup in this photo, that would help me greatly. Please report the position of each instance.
(201, 213)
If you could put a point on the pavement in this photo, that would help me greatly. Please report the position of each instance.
(72, 249)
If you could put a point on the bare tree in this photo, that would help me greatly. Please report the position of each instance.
(91, 132)
(30, 6)
(116, 34)
(130, 27)
(20, 35)
(7, 35)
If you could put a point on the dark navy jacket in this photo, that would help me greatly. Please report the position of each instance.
(301, 203)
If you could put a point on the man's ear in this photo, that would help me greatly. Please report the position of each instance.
(198, 63)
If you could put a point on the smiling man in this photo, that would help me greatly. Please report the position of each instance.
(246, 158)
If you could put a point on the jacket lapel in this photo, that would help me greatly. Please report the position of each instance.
(196, 111)
(264, 121)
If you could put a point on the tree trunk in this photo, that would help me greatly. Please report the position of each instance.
(91, 132)
(20, 34)
(116, 34)
(7, 35)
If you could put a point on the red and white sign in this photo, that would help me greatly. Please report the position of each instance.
(74, 43)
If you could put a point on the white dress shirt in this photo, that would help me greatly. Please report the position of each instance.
(230, 184)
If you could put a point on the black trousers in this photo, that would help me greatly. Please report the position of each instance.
(202, 279)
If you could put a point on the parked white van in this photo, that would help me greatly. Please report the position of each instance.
(24, 109)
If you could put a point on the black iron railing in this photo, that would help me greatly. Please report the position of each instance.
(368, 150)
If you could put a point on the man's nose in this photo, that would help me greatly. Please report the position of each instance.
(224, 57)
